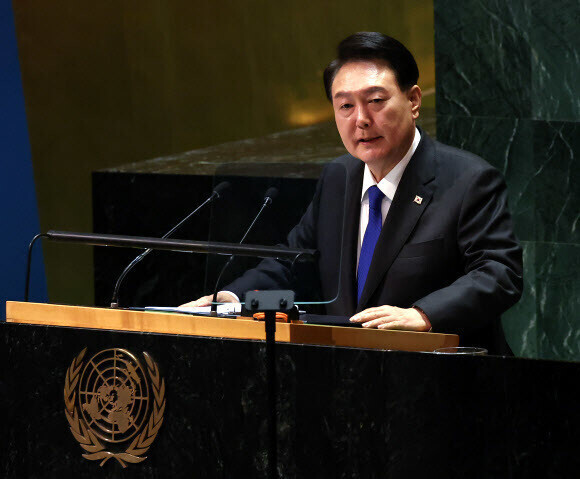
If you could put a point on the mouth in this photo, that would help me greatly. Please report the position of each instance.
(366, 141)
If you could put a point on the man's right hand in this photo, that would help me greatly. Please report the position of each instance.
(222, 297)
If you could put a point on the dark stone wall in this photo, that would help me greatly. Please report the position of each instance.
(507, 90)
(342, 412)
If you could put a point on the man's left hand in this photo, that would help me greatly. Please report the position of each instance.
(391, 317)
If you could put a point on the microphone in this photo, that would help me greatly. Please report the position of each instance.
(216, 194)
(269, 196)
(218, 191)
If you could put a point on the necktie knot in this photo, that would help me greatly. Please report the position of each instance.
(375, 197)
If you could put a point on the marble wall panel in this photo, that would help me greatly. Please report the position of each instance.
(507, 145)
(538, 160)
(555, 59)
(505, 67)
(556, 178)
(520, 323)
(508, 58)
(474, 76)
(558, 287)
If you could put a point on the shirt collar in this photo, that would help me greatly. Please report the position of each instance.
(388, 185)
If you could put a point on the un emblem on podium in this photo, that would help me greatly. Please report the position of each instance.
(113, 405)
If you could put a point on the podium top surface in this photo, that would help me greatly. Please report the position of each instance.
(238, 328)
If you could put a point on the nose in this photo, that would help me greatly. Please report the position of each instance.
(363, 119)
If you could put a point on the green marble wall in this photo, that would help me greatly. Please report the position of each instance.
(507, 89)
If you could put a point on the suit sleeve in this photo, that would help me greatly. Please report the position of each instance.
(491, 279)
(276, 274)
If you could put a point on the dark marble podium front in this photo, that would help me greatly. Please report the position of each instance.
(343, 412)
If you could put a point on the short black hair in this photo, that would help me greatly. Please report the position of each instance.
(374, 46)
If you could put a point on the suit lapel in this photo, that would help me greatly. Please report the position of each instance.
(350, 237)
(403, 215)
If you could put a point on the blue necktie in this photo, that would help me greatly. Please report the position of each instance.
(371, 236)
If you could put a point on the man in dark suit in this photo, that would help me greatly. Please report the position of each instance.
(421, 231)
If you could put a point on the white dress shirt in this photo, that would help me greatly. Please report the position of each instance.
(388, 185)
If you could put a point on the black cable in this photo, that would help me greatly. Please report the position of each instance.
(28, 261)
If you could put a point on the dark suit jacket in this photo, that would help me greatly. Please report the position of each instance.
(453, 253)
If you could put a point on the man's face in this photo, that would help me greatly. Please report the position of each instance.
(375, 119)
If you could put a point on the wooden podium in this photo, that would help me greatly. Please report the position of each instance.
(239, 328)
(351, 402)
(106, 387)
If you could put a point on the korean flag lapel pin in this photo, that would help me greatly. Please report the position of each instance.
(418, 199)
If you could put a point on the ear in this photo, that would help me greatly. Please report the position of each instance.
(414, 95)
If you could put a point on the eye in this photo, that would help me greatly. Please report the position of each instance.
(377, 100)
(345, 106)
